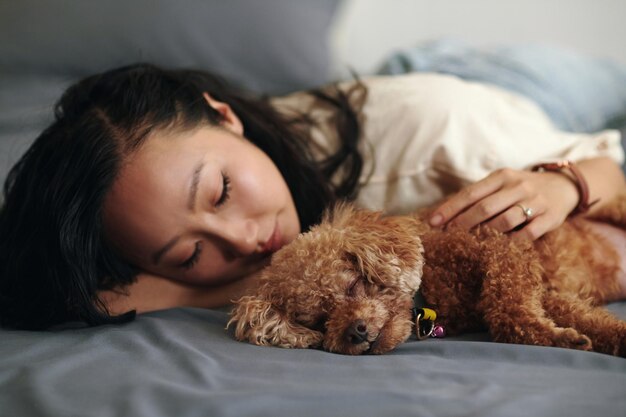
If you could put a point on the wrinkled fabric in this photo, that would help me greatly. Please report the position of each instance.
(183, 363)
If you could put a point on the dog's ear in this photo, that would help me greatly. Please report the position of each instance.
(385, 250)
(259, 322)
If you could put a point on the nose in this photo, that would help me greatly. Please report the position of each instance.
(356, 332)
(240, 236)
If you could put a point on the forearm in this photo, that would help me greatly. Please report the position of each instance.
(152, 293)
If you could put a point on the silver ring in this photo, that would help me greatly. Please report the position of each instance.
(528, 212)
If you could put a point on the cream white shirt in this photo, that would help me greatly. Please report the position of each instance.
(428, 135)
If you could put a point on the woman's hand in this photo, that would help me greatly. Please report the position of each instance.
(500, 200)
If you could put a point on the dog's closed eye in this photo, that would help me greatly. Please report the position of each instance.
(361, 287)
(356, 287)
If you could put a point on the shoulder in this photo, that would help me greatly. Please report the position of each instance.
(443, 91)
(441, 94)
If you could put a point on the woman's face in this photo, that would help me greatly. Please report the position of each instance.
(204, 206)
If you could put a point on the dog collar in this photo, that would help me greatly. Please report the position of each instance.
(424, 319)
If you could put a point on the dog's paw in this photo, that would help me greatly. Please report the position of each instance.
(571, 339)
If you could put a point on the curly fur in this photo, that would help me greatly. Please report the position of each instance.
(347, 286)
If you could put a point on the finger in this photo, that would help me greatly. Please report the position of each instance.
(536, 228)
(464, 199)
(512, 218)
(489, 207)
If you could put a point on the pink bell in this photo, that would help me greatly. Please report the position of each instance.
(438, 331)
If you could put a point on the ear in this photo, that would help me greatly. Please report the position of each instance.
(259, 322)
(386, 250)
(230, 120)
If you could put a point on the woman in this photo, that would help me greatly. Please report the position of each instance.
(155, 189)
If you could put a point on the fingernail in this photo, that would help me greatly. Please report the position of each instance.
(436, 220)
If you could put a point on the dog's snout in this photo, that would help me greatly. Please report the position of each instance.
(356, 333)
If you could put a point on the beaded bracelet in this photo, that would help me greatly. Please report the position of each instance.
(578, 179)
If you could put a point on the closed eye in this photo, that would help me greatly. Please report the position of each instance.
(355, 286)
(225, 195)
(193, 259)
(362, 287)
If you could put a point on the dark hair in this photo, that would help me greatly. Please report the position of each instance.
(53, 255)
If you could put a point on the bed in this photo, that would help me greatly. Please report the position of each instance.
(182, 362)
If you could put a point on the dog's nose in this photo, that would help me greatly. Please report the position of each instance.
(357, 332)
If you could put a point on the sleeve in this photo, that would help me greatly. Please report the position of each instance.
(432, 134)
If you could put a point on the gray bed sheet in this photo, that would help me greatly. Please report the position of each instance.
(182, 362)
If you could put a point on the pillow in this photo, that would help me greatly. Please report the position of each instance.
(270, 46)
(580, 93)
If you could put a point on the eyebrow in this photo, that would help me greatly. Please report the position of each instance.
(193, 188)
(191, 202)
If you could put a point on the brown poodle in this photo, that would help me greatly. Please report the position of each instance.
(348, 285)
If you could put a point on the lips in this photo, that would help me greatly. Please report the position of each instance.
(274, 242)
